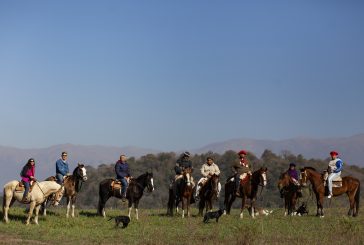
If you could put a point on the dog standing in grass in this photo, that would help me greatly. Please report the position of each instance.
(213, 215)
(121, 219)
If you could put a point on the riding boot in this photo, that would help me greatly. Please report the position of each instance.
(123, 196)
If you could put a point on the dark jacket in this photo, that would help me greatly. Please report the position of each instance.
(293, 173)
(122, 170)
(182, 164)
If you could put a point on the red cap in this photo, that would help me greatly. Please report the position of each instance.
(242, 152)
(334, 153)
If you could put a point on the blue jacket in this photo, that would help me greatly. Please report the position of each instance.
(122, 170)
(339, 165)
(62, 167)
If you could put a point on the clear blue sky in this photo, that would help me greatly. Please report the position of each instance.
(174, 75)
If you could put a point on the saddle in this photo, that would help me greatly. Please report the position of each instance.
(21, 188)
(116, 184)
(337, 182)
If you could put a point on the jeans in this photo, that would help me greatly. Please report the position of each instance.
(124, 185)
(330, 178)
(27, 187)
(59, 178)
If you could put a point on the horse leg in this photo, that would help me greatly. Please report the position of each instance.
(352, 203)
(286, 204)
(318, 204)
(183, 206)
(130, 204)
(8, 200)
(188, 206)
(73, 201)
(252, 203)
(321, 206)
(242, 207)
(30, 213)
(68, 206)
(36, 214)
(136, 209)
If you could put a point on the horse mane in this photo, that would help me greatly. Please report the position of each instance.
(311, 168)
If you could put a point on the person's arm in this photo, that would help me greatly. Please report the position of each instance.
(217, 170)
(117, 170)
(339, 166)
(203, 171)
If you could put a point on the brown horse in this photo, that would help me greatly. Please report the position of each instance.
(350, 186)
(288, 191)
(72, 185)
(248, 190)
(208, 193)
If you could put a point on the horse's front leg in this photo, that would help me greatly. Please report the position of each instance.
(252, 207)
(242, 207)
(73, 200)
(8, 200)
(183, 206)
(68, 206)
(188, 206)
(130, 204)
(136, 204)
(285, 206)
(36, 214)
(30, 213)
(322, 205)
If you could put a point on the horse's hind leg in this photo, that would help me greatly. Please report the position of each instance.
(73, 201)
(136, 204)
(352, 203)
(8, 200)
(242, 207)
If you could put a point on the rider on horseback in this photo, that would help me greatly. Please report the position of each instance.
(62, 169)
(241, 170)
(292, 172)
(182, 164)
(208, 169)
(335, 168)
(122, 173)
(27, 176)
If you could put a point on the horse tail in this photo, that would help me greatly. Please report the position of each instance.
(357, 197)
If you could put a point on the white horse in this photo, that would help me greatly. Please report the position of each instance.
(39, 193)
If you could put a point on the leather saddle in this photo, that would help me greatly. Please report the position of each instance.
(20, 187)
(337, 182)
(116, 184)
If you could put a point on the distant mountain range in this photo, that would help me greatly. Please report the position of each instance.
(12, 159)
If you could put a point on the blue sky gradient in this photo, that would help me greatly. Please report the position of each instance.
(179, 75)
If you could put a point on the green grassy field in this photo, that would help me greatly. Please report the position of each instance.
(153, 227)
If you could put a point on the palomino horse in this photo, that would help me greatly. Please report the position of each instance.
(350, 186)
(249, 189)
(72, 185)
(208, 193)
(288, 191)
(134, 192)
(39, 193)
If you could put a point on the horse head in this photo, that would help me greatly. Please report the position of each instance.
(263, 176)
(306, 174)
(150, 183)
(80, 172)
(214, 182)
(57, 196)
(283, 181)
(187, 176)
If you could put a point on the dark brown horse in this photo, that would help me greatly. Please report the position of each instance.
(184, 190)
(350, 186)
(248, 190)
(134, 192)
(289, 192)
(208, 194)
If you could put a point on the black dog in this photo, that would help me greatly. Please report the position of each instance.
(121, 219)
(213, 215)
(302, 209)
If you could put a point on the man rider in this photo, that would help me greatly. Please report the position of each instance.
(208, 169)
(335, 168)
(241, 170)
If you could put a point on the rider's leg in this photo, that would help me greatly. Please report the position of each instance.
(237, 184)
(124, 185)
(26, 191)
(330, 178)
(59, 178)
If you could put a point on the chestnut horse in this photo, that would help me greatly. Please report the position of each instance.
(288, 191)
(72, 185)
(208, 193)
(249, 189)
(350, 186)
(38, 195)
(183, 186)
